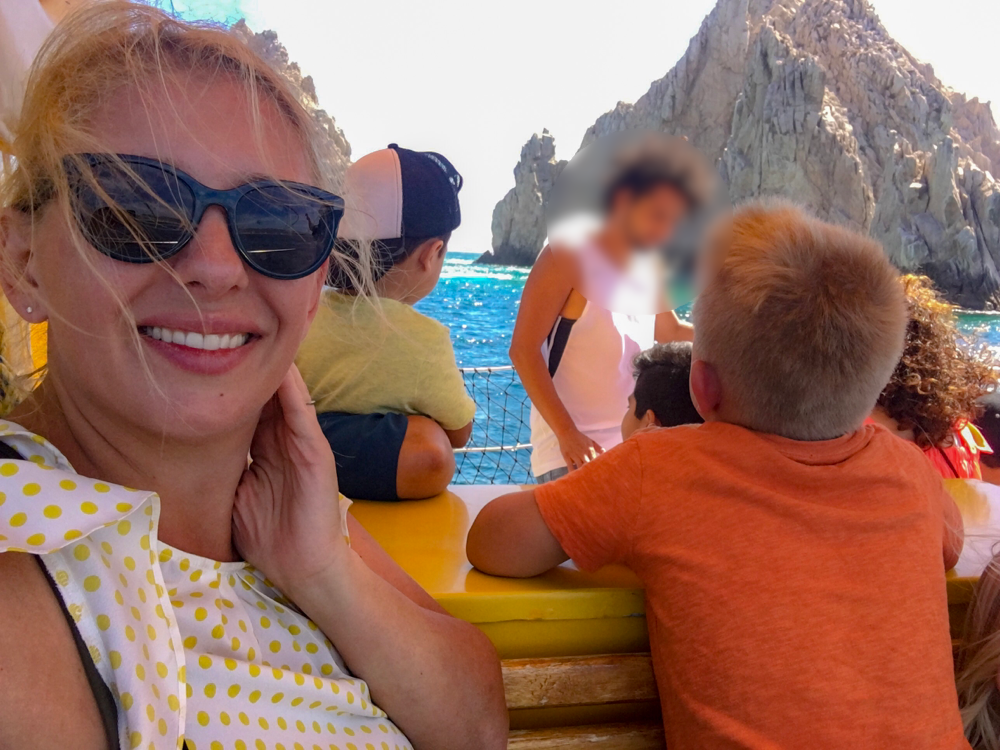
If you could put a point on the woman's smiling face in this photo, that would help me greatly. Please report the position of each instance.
(103, 355)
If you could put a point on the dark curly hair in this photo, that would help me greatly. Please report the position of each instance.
(661, 384)
(941, 376)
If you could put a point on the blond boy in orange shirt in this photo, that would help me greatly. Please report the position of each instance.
(793, 558)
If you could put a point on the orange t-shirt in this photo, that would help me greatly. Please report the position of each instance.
(795, 591)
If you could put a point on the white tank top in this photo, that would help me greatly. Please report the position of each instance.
(594, 377)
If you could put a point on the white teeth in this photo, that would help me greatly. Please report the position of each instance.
(194, 340)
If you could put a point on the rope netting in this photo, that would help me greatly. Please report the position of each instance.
(499, 451)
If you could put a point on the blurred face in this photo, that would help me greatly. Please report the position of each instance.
(649, 220)
(104, 359)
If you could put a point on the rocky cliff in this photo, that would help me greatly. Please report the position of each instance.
(518, 219)
(266, 44)
(812, 99)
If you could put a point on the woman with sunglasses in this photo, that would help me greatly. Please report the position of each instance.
(162, 213)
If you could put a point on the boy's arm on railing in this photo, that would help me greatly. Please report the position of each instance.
(510, 538)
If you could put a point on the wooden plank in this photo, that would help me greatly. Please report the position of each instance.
(606, 737)
(578, 680)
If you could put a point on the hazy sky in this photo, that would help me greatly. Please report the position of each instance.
(474, 80)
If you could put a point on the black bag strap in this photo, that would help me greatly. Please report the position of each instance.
(948, 461)
(7, 452)
(557, 342)
(102, 694)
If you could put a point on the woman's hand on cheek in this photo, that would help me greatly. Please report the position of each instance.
(286, 519)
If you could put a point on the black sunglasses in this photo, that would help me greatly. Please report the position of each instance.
(284, 230)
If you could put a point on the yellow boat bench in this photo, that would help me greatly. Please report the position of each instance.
(979, 504)
(574, 645)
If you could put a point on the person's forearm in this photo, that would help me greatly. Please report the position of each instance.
(537, 382)
(510, 538)
(684, 332)
(680, 331)
(954, 533)
(437, 678)
(671, 328)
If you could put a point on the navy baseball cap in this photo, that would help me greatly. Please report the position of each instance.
(398, 194)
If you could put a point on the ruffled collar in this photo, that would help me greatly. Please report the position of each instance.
(45, 504)
(98, 542)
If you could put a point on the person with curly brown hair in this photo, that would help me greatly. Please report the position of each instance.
(933, 395)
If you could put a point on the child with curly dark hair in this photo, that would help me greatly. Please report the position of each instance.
(932, 397)
(661, 397)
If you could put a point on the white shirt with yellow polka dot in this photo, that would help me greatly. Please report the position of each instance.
(194, 651)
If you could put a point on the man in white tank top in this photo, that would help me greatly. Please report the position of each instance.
(587, 311)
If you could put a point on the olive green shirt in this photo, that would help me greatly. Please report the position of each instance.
(380, 356)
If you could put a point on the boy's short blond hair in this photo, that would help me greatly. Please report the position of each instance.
(803, 321)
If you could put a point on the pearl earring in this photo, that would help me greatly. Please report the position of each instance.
(28, 310)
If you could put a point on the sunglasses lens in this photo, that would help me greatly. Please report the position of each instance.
(286, 233)
(137, 218)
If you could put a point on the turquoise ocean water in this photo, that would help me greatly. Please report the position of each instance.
(479, 304)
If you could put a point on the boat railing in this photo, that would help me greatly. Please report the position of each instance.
(499, 450)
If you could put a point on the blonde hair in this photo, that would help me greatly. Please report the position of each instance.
(979, 662)
(113, 46)
(802, 320)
